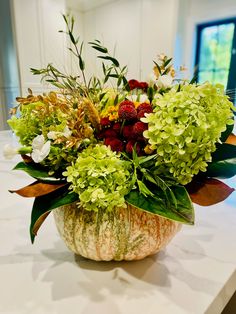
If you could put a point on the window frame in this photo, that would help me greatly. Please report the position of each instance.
(231, 84)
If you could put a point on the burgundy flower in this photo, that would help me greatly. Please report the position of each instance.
(139, 127)
(143, 86)
(128, 132)
(115, 144)
(127, 112)
(126, 102)
(131, 145)
(105, 122)
(116, 127)
(144, 106)
(133, 84)
(109, 133)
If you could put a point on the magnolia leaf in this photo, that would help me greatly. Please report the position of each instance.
(223, 163)
(181, 210)
(222, 169)
(224, 151)
(37, 189)
(227, 132)
(35, 172)
(208, 192)
(43, 205)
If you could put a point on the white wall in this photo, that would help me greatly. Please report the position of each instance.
(138, 30)
(38, 42)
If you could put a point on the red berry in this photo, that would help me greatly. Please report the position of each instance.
(144, 106)
(143, 86)
(116, 127)
(133, 84)
(128, 132)
(127, 112)
(126, 102)
(109, 133)
(139, 128)
(105, 122)
(133, 145)
(141, 113)
(115, 144)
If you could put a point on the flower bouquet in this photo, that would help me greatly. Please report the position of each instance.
(121, 166)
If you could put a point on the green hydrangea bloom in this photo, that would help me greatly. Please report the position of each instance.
(185, 126)
(33, 122)
(100, 178)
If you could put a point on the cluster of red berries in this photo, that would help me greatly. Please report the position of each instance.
(127, 132)
(133, 84)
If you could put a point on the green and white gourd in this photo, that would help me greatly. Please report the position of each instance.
(123, 234)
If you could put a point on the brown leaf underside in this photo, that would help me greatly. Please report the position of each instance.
(231, 139)
(37, 189)
(210, 192)
(39, 222)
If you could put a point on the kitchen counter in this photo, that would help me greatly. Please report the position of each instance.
(196, 273)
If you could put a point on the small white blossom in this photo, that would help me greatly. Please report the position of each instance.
(138, 98)
(52, 135)
(9, 151)
(143, 98)
(132, 97)
(164, 81)
(67, 132)
(151, 79)
(40, 148)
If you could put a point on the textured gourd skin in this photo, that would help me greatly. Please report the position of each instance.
(124, 234)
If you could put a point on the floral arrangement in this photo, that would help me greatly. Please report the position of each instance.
(158, 145)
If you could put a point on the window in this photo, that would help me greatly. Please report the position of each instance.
(216, 54)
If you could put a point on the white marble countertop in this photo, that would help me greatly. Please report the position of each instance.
(196, 273)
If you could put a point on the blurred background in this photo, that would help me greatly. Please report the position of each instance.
(201, 33)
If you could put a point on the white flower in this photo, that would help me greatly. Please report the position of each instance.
(9, 151)
(67, 132)
(40, 148)
(52, 135)
(132, 97)
(143, 98)
(151, 79)
(164, 81)
(138, 98)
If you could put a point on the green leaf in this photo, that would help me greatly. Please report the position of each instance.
(126, 84)
(101, 49)
(224, 151)
(167, 62)
(223, 163)
(222, 169)
(34, 172)
(43, 205)
(144, 159)
(72, 38)
(158, 67)
(113, 60)
(81, 63)
(227, 132)
(116, 100)
(144, 189)
(182, 211)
